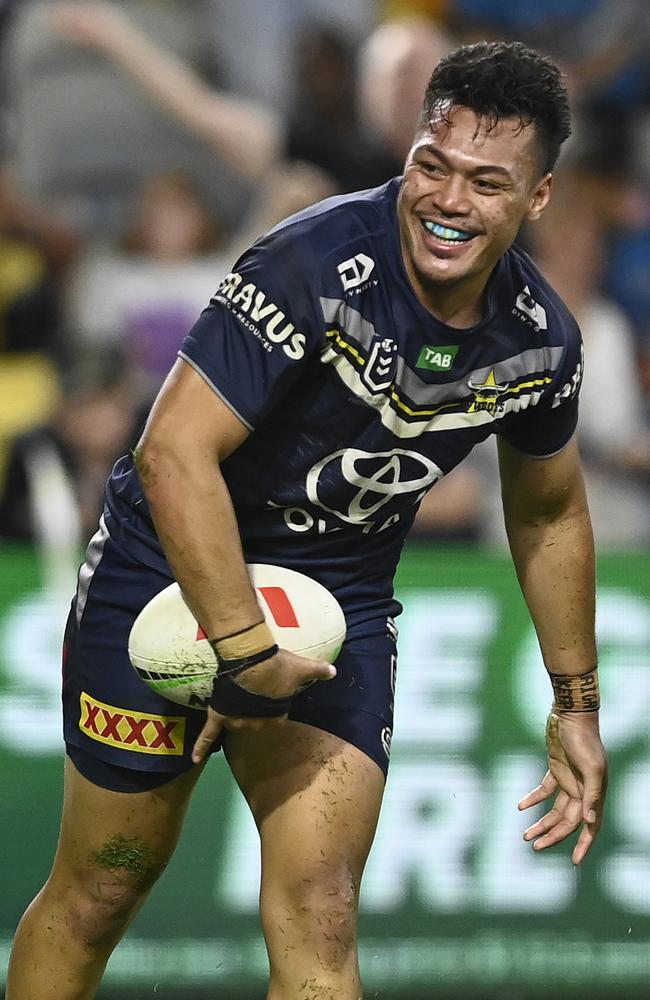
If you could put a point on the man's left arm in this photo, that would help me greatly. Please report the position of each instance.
(549, 531)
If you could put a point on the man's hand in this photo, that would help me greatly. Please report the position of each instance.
(281, 676)
(578, 773)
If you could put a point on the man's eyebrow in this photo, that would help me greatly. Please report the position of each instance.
(482, 168)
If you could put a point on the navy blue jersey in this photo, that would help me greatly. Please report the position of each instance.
(358, 400)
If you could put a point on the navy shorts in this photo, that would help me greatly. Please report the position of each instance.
(123, 736)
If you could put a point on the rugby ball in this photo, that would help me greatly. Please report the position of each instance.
(170, 651)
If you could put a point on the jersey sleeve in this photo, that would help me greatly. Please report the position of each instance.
(545, 429)
(258, 332)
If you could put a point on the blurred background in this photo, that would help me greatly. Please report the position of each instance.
(143, 145)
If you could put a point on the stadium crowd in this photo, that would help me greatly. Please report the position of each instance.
(145, 144)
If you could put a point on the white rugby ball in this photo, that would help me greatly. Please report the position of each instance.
(170, 651)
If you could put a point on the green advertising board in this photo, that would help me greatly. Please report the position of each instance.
(454, 904)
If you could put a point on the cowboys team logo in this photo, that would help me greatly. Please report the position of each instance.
(356, 485)
(487, 396)
(380, 368)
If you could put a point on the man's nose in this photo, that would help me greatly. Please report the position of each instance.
(451, 196)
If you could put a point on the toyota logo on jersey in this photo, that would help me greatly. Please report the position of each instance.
(354, 485)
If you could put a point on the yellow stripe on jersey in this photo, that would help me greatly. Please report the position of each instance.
(453, 405)
(336, 335)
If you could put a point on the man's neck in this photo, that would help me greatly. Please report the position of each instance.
(460, 305)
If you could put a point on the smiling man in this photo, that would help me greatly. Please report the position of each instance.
(354, 355)
(471, 178)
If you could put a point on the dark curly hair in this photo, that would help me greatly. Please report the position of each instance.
(504, 80)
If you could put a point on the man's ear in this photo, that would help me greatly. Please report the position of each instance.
(540, 198)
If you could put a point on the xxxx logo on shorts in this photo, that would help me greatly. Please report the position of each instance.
(157, 734)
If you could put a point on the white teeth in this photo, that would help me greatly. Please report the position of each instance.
(446, 233)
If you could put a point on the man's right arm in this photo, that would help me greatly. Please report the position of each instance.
(190, 431)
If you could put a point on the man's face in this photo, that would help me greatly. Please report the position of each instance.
(465, 193)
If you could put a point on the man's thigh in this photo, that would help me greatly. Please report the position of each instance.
(314, 796)
(357, 705)
(316, 800)
(119, 836)
(315, 783)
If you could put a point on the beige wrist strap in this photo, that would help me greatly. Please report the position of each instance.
(246, 643)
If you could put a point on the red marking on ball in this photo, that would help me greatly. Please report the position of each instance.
(280, 606)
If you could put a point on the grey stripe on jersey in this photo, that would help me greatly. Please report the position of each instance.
(424, 393)
(94, 553)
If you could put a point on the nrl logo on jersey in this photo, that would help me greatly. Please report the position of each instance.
(355, 273)
(529, 311)
(262, 317)
(379, 370)
(487, 396)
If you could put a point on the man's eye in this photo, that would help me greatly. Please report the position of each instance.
(487, 185)
(431, 168)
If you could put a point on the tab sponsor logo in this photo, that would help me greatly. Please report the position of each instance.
(120, 727)
(261, 316)
(437, 359)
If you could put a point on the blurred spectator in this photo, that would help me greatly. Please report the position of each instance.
(568, 244)
(612, 56)
(53, 487)
(603, 45)
(147, 293)
(35, 250)
(628, 282)
(245, 134)
(288, 187)
(242, 133)
(608, 183)
(7, 8)
(256, 41)
(324, 127)
(545, 25)
(395, 64)
(83, 138)
(5, 11)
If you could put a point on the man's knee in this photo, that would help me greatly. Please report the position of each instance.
(318, 905)
(104, 892)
